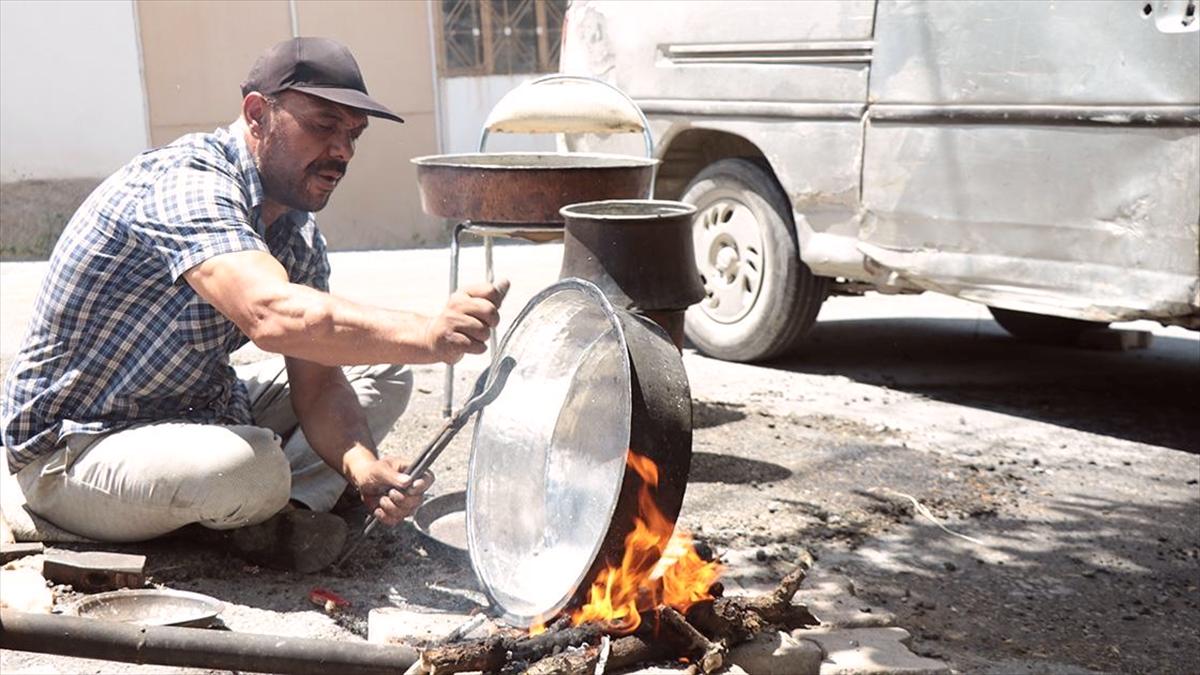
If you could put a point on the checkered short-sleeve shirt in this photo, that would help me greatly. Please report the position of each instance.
(117, 337)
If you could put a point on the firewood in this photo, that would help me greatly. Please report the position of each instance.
(734, 619)
(709, 656)
(493, 653)
(571, 662)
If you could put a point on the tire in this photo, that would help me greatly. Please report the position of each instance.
(761, 299)
(1042, 328)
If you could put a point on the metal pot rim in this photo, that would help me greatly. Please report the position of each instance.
(628, 209)
(595, 294)
(534, 161)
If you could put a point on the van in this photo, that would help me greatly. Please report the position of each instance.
(1041, 158)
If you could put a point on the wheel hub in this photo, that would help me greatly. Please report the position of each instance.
(729, 256)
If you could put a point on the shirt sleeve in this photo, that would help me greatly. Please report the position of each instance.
(194, 212)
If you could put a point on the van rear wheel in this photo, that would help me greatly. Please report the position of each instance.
(1050, 330)
(760, 299)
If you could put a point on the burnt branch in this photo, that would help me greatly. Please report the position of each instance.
(493, 653)
(737, 619)
(709, 656)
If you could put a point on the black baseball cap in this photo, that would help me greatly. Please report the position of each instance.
(317, 66)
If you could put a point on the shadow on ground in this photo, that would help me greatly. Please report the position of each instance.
(1147, 396)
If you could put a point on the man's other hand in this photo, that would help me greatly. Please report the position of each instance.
(382, 491)
(465, 324)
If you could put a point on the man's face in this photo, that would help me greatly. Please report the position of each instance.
(306, 145)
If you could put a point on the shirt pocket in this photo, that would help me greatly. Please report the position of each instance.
(200, 326)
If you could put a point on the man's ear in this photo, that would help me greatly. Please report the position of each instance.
(255, 110)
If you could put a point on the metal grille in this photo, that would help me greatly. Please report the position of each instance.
(499, 37)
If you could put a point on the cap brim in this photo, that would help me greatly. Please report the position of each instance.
(353, 98)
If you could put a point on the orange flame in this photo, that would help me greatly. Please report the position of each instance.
(660, 566)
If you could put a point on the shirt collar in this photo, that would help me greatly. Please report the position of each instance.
(239, 152)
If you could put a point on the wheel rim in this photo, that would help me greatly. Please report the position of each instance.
(729, 255)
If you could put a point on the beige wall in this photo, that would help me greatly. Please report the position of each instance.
(197, 53)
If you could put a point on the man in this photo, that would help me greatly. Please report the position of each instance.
(122, 419)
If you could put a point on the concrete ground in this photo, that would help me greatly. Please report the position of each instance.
(1063, 481)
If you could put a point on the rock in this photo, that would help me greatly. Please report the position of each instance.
(859, 651)
(94, 571)
(777, 654)
(830, 597)
(25, 591)
(392, 625)
(12, 550)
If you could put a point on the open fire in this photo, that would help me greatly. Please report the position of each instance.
(662, 579)
(659, 567)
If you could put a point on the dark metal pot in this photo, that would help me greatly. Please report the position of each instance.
(640, 252)
(550, 498)
(525, 187)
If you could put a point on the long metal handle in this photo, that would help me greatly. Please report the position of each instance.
(487, 388)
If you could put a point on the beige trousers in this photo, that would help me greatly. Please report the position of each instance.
(146, 481)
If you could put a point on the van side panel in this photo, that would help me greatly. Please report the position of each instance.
(1036, 156)
(789, 78)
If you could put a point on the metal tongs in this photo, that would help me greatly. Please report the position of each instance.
(487, 388)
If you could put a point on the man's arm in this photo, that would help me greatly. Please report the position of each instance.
(336, 428)
(251, 288)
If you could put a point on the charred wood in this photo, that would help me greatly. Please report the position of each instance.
(735, 619)
(494, 653)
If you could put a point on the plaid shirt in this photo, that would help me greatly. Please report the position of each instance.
(117, 337)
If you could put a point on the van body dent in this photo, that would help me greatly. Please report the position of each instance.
(1042, 158)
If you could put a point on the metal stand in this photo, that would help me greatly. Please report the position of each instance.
(489, 231)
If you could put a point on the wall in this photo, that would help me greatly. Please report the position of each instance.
(71, 104)
(466, 102)
(72, 110)
(197, 54)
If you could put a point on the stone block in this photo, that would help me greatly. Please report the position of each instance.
(393, 625)
(777, 653)
(831, 598)
(95, 571)
(863, 651)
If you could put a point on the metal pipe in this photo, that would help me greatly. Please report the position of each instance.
(196, 648)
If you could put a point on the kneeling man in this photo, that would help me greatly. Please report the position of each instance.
(122, 418)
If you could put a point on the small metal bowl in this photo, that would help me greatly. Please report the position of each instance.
(442, 520)
(151, 607)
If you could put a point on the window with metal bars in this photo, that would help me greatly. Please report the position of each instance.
(499, 37)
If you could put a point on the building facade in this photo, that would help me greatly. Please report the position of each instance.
(86, 85)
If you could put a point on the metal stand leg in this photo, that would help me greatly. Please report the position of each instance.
(448, 385)
(490, 276)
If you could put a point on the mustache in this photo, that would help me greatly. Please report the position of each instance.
(329, 165)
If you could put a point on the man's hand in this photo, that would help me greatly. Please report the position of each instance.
(465, 324)
(381, 491)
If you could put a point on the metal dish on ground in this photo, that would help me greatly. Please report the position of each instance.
(442, 520)
(549, 497)
(151, 607)
(526, 187)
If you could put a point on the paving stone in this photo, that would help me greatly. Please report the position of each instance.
(393, 625)
(831, 598)
(874, 651)
(777, 654)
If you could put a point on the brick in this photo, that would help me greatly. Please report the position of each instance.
(869, 651)
(393, 625)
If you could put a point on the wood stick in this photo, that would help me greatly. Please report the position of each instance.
(709, 656)
(492, 653)
(736, 619)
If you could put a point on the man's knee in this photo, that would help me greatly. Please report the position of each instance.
(383, 392)
(247, 484)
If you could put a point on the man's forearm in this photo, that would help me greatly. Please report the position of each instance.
(334, 424)
(305, 323)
